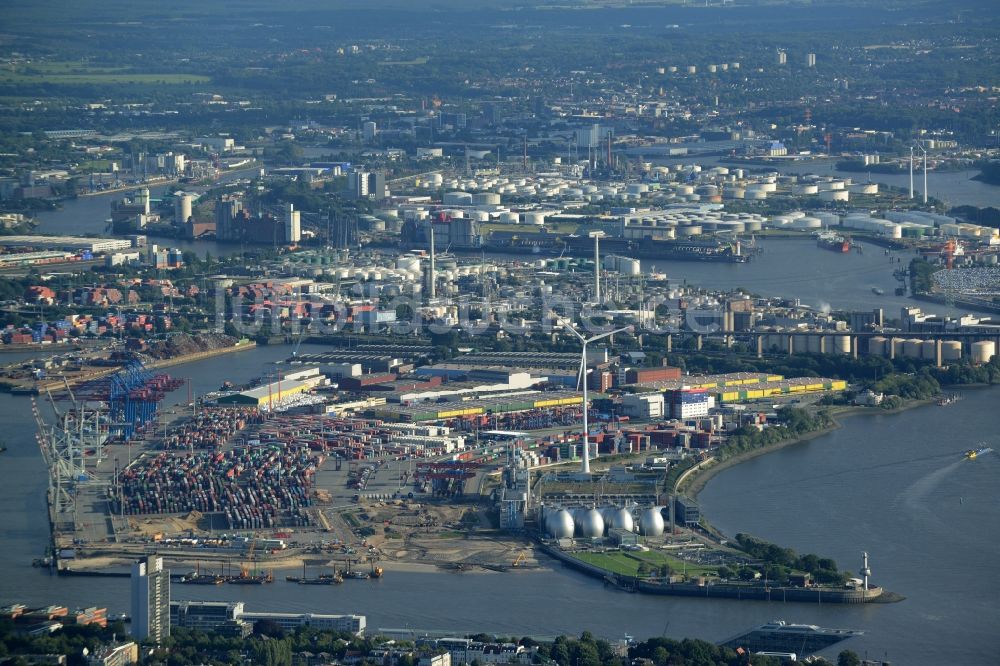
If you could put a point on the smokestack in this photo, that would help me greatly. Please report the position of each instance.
(431, 273)
(597, 268)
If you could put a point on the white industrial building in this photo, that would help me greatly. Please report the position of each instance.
(644, 406)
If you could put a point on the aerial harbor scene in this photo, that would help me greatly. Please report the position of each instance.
(593, 333)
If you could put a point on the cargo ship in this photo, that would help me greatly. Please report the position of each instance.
(834, 243)
(779, 636)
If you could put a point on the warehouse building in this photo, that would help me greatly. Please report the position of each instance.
(66, 243)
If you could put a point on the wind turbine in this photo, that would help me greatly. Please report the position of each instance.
(924, 151)
(583, 379)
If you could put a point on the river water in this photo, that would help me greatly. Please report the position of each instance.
(929, 524)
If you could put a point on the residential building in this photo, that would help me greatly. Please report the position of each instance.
(150, 599)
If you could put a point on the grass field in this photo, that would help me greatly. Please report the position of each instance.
(627, 563)
(77, 73)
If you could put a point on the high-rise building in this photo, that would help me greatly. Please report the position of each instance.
(150, 599)
(293, 225)
(782, 57)
(367, 184)
(810, 60)
(369, 130)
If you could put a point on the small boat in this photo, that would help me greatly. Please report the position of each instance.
(972, 454)
(359, 575)
(877, 291)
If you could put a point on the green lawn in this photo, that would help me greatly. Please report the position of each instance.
(83, 73)
(627, 563)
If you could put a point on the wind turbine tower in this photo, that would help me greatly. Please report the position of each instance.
(585, 466)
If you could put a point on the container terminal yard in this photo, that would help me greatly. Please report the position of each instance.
(252, 480)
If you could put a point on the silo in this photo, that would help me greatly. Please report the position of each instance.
(560, 525)
(983, 351)
(928, 350)
(800, 344)
(182, 208)
(813, 343)
(912, 347)
(876, 346)
(951, 350)
(651, 522)
(838, 344)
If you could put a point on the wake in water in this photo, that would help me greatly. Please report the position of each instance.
(866, 468)
(921, 488)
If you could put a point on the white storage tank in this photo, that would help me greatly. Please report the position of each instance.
(457, 199)
(806, 223)
(560, 525)
(590, 524)
(876, 346)
(807, 188)
(912, 348)
(865, 188)
(486, 199)
(536, 218)
(835, 195)
(622, 520)
(951, 350)
(983, 351)
(838, 344)
(651, 522)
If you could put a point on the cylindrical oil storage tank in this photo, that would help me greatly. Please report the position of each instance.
(622, 520)
(928, 350)
(486, 199)
(876, 345)
(806, 223)
(687, 189)
(651, 522)
(864, 188)
(629, 266)
(983, 351)
(707, 190)
(951, 350)
(560, 525)
(807, 188)
(912, 348)
(457, 199)
(835, 195)
(734, 192)
(755, 193)
(690, 230)
(590, 525)
(534, 217)
(510, 218)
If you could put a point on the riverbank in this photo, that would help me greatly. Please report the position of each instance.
(699, 479)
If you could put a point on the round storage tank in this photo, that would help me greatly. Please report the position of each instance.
(928, 350)
(560, 525)
(622, 520)
(807, 188)
(838, 344)
(651, 522)
(865, 188)
(876, 346)
(457, 199)
(983, 351)
(734, 193)
(835, 195)
(913, 347)
(951, 350)
(590, 525)
(486, 199)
